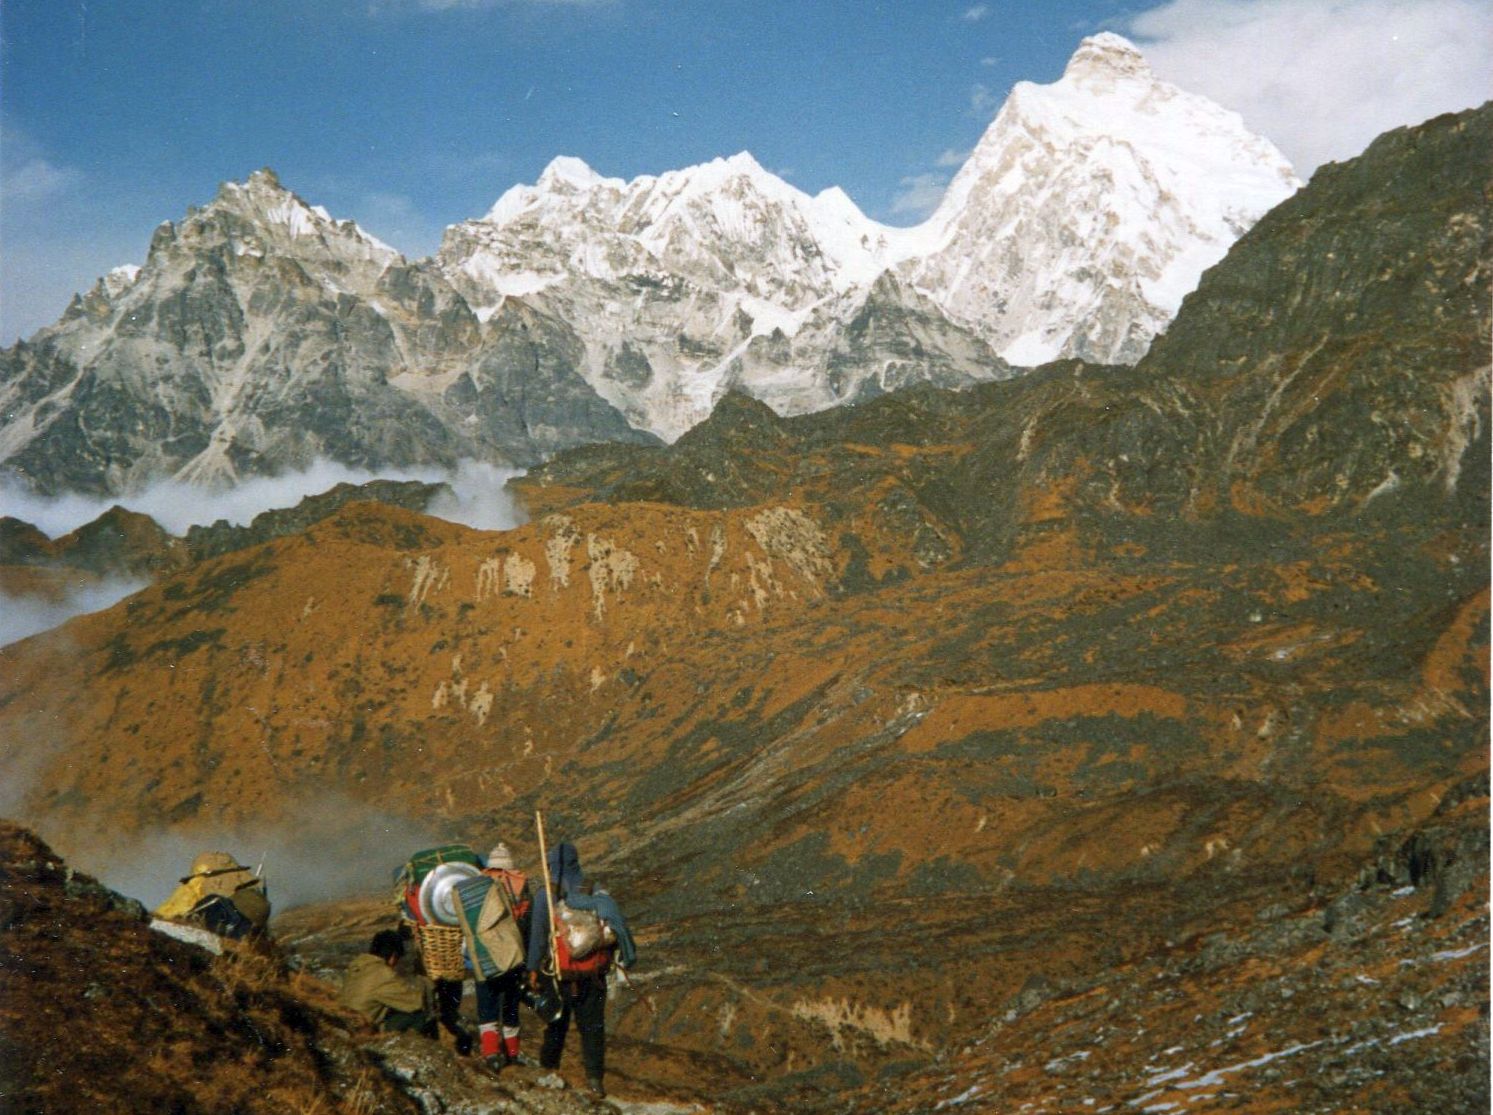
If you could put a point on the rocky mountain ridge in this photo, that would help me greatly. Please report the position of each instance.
(262, 334)
(1083, 215)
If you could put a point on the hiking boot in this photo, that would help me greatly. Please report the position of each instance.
(593, 1085)
(522, 1060)
(495, 1063)
(464, 1044)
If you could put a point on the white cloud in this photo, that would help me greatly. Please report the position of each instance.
(35, 180)
(982, 102)
(395, 219)
(317, 849)
(27, 175)
(976, 13)
(1322, 78)
(479, 499)
(24, 615)
(920, 195)
(950, 157)
(47, 256)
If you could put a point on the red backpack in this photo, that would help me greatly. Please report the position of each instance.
(583, 944)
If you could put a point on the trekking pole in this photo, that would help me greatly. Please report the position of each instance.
(638, 991)
(549, 898)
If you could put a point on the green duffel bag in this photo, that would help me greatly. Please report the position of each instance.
(424, 862)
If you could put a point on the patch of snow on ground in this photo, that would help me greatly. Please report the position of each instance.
(191, 934)
(1214, 1078)
(1413, 1034)
(963, 1098)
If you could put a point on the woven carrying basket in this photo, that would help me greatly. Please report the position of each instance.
(440, 948)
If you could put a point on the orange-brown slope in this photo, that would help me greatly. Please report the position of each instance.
(776, 773)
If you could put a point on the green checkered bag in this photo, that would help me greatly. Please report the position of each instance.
(494, 943)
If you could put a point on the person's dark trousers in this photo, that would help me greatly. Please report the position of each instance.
(587, 1000)
(413, 1021)
(448, 1010)
(497, 998)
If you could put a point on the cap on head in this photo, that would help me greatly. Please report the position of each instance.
(500, 856)
(210, 862)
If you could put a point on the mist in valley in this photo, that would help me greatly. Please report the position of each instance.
(479, 498)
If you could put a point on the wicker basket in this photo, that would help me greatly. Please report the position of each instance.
(440, 949)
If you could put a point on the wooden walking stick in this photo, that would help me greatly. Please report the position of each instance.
(549, 898)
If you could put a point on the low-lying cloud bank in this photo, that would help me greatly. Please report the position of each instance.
(318, 851)
(24, 616)
(479, 499)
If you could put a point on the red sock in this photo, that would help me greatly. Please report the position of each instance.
(490, 1041)
(510, 1046)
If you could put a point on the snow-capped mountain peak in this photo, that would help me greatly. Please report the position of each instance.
(262, 206)
(1106, 57)
(566, 172)
(1091, 206)
(1087, 210)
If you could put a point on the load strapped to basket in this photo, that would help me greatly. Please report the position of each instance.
(425, 899)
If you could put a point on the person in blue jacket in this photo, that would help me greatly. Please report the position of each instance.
(582, 983)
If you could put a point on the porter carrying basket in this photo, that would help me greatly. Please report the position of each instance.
(440, 951)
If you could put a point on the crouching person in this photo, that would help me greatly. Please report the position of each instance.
(388, 1000)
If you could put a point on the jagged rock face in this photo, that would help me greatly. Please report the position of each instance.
(261, 335)
(1086, 212)
(698, 280)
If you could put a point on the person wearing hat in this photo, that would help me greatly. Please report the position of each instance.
(221, 894)
(498, 997)
(581, 980)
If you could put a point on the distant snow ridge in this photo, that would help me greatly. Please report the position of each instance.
(1089, 208)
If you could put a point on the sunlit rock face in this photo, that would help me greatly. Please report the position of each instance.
(262, 335)
(1089, 209)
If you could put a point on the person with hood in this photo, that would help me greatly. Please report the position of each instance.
(581, 979)
(498, 997)
(386, 999)
(221, 894)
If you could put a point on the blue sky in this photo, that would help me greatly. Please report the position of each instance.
(409, 115)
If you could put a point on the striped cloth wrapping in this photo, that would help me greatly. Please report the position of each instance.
(495, 945)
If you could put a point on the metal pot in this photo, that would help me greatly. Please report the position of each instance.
(438, 892)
